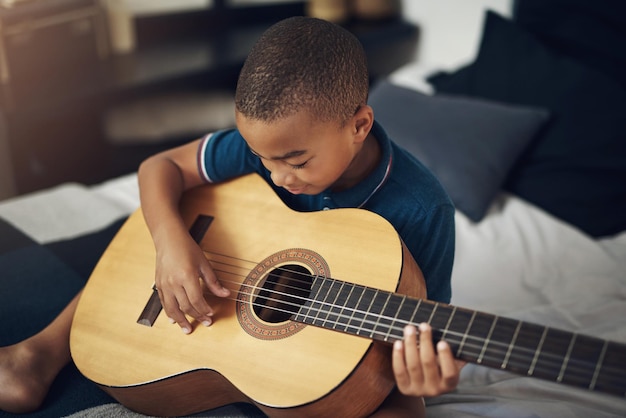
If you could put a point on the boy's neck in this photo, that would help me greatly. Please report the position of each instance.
(364, 162)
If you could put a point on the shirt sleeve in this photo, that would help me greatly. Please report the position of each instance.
(224, 155)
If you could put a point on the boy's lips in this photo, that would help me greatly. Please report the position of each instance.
(296, 190)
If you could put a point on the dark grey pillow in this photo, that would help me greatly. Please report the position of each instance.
(469, 144)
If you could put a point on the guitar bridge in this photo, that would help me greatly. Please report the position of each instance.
(151, 310)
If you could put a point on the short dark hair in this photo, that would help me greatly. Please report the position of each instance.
(303, 63)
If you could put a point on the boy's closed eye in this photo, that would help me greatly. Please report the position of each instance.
(299, 166)
(284, 158)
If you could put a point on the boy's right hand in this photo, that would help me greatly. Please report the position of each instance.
(181, 268)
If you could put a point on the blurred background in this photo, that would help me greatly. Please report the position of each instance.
(89, 88)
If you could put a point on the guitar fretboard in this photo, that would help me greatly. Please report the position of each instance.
(494, 341)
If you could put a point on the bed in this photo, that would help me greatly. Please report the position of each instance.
(528, 139)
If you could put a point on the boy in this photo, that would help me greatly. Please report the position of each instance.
(303, 124)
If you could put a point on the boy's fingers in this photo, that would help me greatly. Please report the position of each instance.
(427, 353)
(428, 356)
(448, 365)
(411, 355)
(191, 301)
(406, 363)
(214, 285)
(183, 302)
(170, 306)
(403, 380)
(415, 374)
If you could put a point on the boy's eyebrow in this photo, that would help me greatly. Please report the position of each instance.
(286, 156)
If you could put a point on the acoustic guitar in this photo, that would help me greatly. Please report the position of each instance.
(316, 301)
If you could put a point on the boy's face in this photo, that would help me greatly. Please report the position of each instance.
(304, 156)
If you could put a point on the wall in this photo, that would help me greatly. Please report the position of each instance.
(450, 29)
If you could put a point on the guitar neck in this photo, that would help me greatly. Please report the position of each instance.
(476, 337)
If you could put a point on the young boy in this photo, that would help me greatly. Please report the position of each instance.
(304, 125)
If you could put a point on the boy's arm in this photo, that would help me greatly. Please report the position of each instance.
(180, 263)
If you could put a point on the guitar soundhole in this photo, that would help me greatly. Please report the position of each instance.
(275, 289)
(283, 292)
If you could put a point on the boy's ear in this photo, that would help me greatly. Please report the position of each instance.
(363, 121)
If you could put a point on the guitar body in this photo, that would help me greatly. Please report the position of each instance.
(286, 368)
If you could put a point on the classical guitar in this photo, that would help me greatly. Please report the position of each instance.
(316, 300)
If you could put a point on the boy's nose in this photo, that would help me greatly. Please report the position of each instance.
(282, 178)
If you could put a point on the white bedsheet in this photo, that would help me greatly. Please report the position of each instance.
(522, 263)
(71, 209)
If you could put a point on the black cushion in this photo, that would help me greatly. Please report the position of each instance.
(576, 168)
(590, 31)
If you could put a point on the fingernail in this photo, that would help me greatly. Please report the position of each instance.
(171, 320)
(185, 330)
(206, 323)
(424, 326)
(397, 345)
(409, 330)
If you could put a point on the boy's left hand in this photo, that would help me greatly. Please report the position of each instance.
(419, 369)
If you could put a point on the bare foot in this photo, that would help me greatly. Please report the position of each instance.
(27, 369)
(24, 378)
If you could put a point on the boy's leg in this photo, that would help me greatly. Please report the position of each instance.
(28, 368)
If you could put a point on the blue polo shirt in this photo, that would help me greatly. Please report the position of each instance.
(401, 189)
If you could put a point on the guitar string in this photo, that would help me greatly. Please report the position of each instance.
(572, 366)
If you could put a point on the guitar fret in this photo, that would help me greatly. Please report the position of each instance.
(445, 330)
(430, 318)
(498, 341)
(368, 310)
(343, 308)
(582, 360)
(406, 313)
(319, 306)
(331, 316)
(439, 320)
(457, 328)
(341, 302)
(526, 343)
(400, 333)
(304, 313)
(566, 359)
(465, 334)
(354, 312)
(474, 345)
(511, 345)
(392, 324)
(613, 370)
(554, 349)
(380, 316)
(424, 313)
(596, 372)
(537, 351)
(482, 352)
(415, 311)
